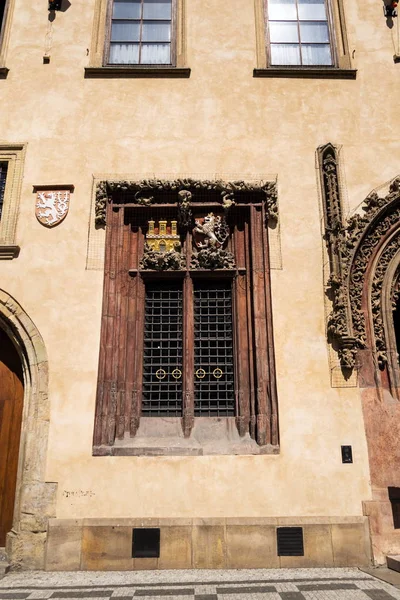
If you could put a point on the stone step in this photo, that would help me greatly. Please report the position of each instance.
(393, 562)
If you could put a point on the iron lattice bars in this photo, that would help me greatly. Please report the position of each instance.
(213, 350)
(162, 357)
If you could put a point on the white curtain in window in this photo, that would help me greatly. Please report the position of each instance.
(156, 54)
(316, 54)
(124, 54)
(285, 54)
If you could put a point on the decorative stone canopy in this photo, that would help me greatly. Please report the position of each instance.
(360, 252)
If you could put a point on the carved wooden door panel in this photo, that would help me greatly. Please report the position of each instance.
(11, 402)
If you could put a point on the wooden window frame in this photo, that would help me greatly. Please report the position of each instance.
(119, 392)
(99, 49)
(173, 43)
(14, 155)
(341, 67)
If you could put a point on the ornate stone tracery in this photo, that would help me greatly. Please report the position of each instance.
(360, 252)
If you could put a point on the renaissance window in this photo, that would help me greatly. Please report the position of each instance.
(299, 33)
(187, 319)
(142, 32)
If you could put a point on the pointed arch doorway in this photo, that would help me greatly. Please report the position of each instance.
(11, 405)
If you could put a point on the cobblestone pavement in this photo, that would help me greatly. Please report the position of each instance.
(271, 584)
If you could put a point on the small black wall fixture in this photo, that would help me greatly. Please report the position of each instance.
(55, 4)
(390, 9)
(347, 454)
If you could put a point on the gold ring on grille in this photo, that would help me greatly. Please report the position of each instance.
(176, 373)
(161, 374)
(200, 373)
(218, 373)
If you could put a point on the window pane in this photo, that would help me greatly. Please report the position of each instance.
(283, 32)
(285, 54)
(314, 32)
(126, 9)
(312, 10)
(157, 9)
(124, 54)
(156, 32)
(282, 10)
(316, 55)
(125, 31)
(156, 54)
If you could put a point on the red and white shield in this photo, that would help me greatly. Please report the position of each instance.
(52, 207)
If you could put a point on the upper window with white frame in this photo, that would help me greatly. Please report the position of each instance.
(300, 33)
(142, 32)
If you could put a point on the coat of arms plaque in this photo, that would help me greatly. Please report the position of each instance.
(52, 206)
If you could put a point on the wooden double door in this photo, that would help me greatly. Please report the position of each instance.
(11, 403)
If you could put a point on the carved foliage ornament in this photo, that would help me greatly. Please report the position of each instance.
(52, 206)
(144, 190)
(351, 247)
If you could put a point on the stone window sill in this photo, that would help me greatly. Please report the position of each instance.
(137, 72)
(8, 252)
(164, 437)
(306, 72)
(3, 72)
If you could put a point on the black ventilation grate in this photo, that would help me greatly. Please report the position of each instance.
(290, 541)
(162, 364)
(213, 350)
(146, 543)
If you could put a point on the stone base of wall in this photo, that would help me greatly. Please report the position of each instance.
(384, 538)
(232, 543)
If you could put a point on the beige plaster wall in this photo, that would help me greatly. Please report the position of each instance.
(221, 119)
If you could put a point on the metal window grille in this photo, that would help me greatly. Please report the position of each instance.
(213, 350)
(162, 363)
(3, 175)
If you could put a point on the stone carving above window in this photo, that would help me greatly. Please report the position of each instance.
(145, 191)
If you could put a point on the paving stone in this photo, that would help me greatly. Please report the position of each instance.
(263, 584)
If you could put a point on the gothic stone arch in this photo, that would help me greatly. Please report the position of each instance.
(35, 498)
(364, 258)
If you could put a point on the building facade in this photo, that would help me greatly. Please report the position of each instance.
(199, 322)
